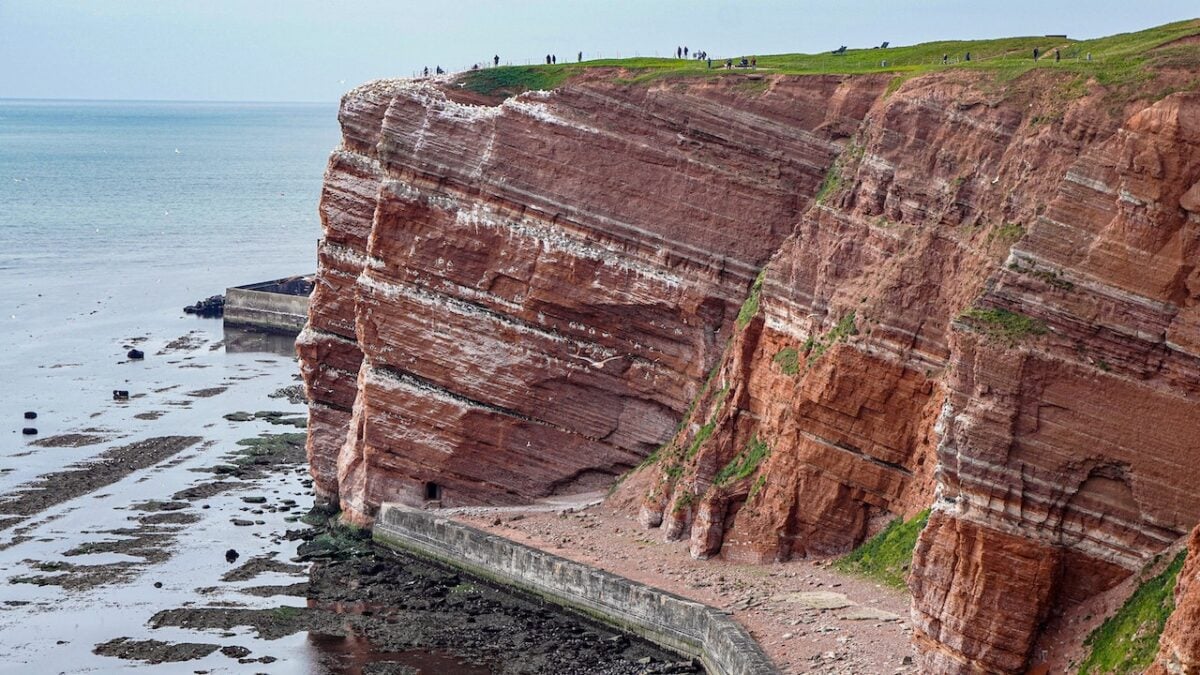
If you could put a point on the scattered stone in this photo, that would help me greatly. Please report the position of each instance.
(30, 415)
(817, 600)
(242, 523)
(29, 431)
(255, 499)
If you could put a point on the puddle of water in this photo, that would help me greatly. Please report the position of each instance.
(339, 655)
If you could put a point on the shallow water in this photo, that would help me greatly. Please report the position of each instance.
(114, 216)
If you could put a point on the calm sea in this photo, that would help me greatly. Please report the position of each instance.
(113, 215)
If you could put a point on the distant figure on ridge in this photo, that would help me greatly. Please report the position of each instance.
(440, 71)
(968, 57)
(554, 58)
(547, 59)
(685, 51)
(1035, 53)
(426, 71)
(580, 57)
(945, 59)
(1057, 56)
(496, 60)
(710, 64)
(753, 61)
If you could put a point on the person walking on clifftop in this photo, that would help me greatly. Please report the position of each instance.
(496, 60)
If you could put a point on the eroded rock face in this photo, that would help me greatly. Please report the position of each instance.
(957, 304)
(1179, 647)
(518, 300)
(1081, 441)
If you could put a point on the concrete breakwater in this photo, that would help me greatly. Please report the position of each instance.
(279, 306)
(683, 625)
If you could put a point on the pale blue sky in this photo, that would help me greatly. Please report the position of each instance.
(313, 50)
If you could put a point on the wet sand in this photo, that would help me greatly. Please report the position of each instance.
(171, 533)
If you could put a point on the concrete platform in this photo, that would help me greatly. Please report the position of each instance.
(677, 623)
(279, 306)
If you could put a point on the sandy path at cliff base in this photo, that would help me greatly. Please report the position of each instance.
(808, 617)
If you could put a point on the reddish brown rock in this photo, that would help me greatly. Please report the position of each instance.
(1179, 646)
(981, 310)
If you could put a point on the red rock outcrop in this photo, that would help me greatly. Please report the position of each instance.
(518, 300)
(980, 297)
(1179, 646)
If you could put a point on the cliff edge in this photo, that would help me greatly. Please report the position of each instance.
(788, 307)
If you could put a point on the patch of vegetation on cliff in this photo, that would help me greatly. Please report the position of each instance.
(745, 463)
(1128, 640)
(788, 359)
(701, 436)
(816, 347)
(512, 80)
(1003, 325)
(887, 556)
(750, 306)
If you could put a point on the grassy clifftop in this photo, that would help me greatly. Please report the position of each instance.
(1116, 61)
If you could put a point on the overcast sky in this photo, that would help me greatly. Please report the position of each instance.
(314, 50)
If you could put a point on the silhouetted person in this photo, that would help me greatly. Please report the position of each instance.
(728, 64)
(496, 60)
(426, 71)
(580, 57)
(710, 64)
(685, 51)
(440, 71)
(547, 59)
(1057, 56)
(679, 52)
(754, 62)
(1035, 53)
(968, 57)
(945, 59)
(554, 58)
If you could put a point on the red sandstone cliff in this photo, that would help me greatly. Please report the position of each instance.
(1179, 648)
(979, 298)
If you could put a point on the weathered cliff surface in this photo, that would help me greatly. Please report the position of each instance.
(518, 300)
(977, 296)
(1179, 647)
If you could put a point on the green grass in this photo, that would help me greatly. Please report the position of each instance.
(1128, 640)
(1003, 325)
(701, 436)
(512, 80)
(1124, 63)
(744, 464)
(816, 347)
(788, 359)
(1006, 234)
(887, 556)
(750, 306)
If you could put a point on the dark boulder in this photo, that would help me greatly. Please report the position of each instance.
(208, 308)
(136, 354)
(29, 431)
(30, 415)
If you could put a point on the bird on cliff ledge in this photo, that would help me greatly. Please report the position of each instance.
(596, 364)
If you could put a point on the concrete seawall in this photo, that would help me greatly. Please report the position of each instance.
(683, 625)
(271, 305)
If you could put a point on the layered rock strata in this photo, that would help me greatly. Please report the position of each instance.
(518, 300)
(978, 297)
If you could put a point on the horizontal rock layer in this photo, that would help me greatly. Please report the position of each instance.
(952, 301)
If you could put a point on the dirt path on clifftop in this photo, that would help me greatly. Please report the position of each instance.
(808, 617)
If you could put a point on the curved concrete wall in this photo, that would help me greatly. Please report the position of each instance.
(683, 625)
